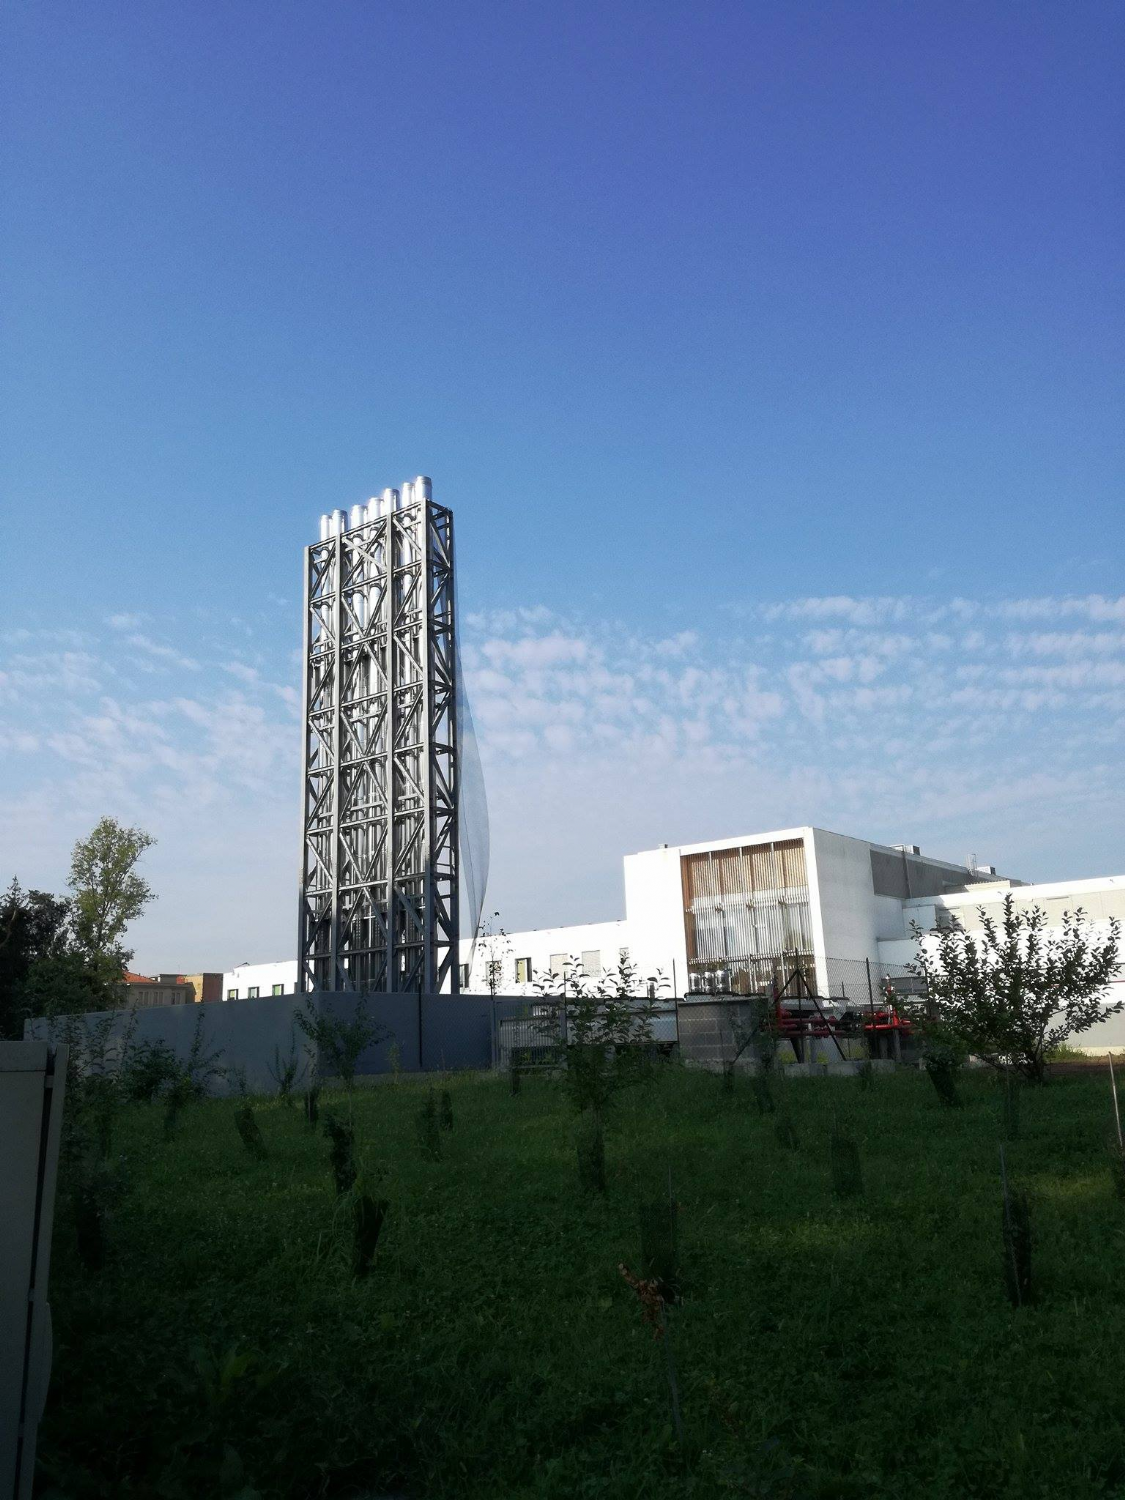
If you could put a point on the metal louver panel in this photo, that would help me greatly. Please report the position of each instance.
(745, 909)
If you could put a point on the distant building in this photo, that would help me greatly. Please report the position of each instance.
(255, 981)
(206, 987)
(162, 989)
(731, 915)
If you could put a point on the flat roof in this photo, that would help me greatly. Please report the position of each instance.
(777, 835)
(975, 894)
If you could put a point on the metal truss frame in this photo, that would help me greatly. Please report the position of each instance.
(379, 862)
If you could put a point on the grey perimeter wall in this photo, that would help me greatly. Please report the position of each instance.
(430, 1031)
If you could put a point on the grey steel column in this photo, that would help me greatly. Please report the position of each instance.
(390, 790)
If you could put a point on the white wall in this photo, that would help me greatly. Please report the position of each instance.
(654, 907)
(263, 977)
(540, 945)
(845, 917)
(1100, 899)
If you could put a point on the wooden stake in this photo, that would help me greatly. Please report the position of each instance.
(1116, 1110)
(1008, 1226)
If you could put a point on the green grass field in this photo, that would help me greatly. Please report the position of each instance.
(830, 1349)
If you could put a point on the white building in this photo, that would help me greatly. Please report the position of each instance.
(732, 914)
(252, 981)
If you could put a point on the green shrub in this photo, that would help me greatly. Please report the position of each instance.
(150, 1067)
(429, 1129)
(251, 1136)
(942, 1060)
(342, 1153)
(763, 1093)
(368, 1215)
(339, 1043)
(285, 1071)
(847, 1171)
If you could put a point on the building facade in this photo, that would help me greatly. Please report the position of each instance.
(159, 989)
(734, 915)
(253, 981)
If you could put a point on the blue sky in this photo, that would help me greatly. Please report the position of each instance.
(769, 356)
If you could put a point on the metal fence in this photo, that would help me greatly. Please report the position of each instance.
(859, 981)
(535, 1033)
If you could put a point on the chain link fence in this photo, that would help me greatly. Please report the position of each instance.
(865, 1013)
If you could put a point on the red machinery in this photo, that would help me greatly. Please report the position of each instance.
(800, 1014)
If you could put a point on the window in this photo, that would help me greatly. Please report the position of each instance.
(464, 976)
(523, 970)
(252, 992)
(592, 963)
(560, 962)
(232, 994)
(278, 989)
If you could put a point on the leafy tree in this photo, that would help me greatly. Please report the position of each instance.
(63, 955)
(498, 949)
(609, 1033)
(72, 983)
(108, 892)
(1016, 991)
(336, 1045)
(33, 928)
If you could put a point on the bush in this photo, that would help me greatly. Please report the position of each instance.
(337, 1042)
(247, 1127)
(149, 1068)
(429, 1129)
(1016, 992)
(368, 1215)
(942, 1073)
(342, 1154)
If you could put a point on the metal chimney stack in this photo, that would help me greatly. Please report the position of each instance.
(379, 865)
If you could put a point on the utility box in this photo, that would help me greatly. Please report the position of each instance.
(32, 1085)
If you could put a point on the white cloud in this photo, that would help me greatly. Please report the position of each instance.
(241, 671)
(983, 724)
(166, 655)
(1075, 643)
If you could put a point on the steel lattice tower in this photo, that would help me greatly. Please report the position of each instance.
(379, 864)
